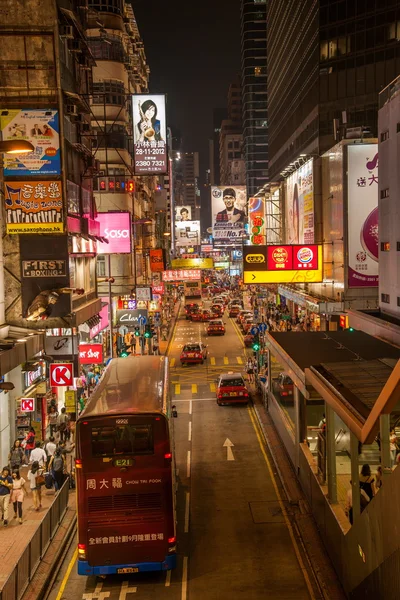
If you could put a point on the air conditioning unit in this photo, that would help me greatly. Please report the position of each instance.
(71, 110)
(67, 32)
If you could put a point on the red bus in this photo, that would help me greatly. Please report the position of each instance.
(125, 471)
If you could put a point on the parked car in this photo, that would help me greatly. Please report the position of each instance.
(231, 389)
(216, 327)
(195, 352)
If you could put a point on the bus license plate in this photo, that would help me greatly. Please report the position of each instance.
(128, 570)
(123, 462)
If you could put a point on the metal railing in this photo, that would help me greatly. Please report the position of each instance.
(19, 579)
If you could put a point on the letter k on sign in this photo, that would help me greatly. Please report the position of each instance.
(61, 374)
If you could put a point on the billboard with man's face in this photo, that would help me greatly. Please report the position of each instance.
(229, 213)
(149, 134)
(183, 213)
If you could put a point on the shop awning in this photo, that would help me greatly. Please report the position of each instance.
(18, 347)
(86, 312)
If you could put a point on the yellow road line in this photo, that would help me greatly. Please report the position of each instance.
(67, 574)
(212, 387)
(257, 429)
(226, 360)
(172, 363)
(239, 360)
(194, 388)
(212, 360)
(177, 389)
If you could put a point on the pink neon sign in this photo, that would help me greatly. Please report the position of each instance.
(116, 228)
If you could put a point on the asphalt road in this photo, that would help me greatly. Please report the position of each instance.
(234, 533)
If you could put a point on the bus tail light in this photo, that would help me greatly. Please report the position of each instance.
(168, 455)
(82, 551)
(78, 463)
(172, 540)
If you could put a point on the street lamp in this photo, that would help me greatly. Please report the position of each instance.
(16, 147)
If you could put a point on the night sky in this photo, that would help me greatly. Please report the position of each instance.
(193, 50)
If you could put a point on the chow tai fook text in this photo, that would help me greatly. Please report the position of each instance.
(117, 483)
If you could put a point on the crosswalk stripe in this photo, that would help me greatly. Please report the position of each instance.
(194, 388)
(226, 360)
(239, 360)
(212, 360)
(172, 362)
(177, 389)
(212, 387)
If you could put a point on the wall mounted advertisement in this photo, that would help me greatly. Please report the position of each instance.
(180, 274)
(283, 264)
(183, 213)
(156, 260)
(187, 233)
(190, 263)
(257, 221)
(33, 206)
(116, 228)
(149, 134)
(300, 205)
(362, 199)
(229, 213)
(41, 128)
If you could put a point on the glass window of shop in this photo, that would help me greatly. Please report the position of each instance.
(83, 274)
(283, 391)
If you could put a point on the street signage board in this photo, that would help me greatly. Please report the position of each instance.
(27, 404)
(181, 274)
(142, 320)
(254, 330)
(143, 294)
(90, 354)
(262, 328)
(61, 374)
(283, 264)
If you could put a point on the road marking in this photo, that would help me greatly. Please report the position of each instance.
(67, 574)
(257, 429)
(226, 360)
(239, 360)
(172, 365)
(190, 400)
(212, 387)
(190, 406)
(212, 361)
(125, 589)
(194, 388)
(184, 578)
(97, 594)
(190, 432)
(168, 579)
(187, 512)
(188, 465)
(177, 389)
(228, 445)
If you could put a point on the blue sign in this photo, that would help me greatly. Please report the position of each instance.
(262, 328)
(142, 320)
(254, 330)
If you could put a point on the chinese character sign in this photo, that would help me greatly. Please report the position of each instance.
(40, 127)
(149, 134)
(34, 206)
(229, 213)
(300, 205)
(362, 198)
(257, 221)
(180, 274)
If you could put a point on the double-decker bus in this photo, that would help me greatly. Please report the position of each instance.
(125, 471)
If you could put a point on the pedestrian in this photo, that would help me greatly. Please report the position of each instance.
(133, 343)
(52, 419)
(17, 494)
(81, 402)
(364, 501)
(393, 446)
(250, 370)
(378, 477)
(34, 483)
(57, 466)
(5, 489)
(38, 455)
(50, 448)
(29, 443)
(16, 456)
(62, 423)
(367, 482)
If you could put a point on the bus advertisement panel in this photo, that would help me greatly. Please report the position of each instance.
(192, 289)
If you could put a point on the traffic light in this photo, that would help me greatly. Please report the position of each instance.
(137, 331)
(147, 332)
(123, 353)
(256, 346)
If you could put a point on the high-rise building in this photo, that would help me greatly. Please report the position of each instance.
(254, 92)
(231, 162)
(219, 114)
(190, 182)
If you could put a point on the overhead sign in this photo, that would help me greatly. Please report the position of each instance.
(206, 248)
(61, 374)
(41, 128)
(199, 263)
(70, 401)
(183, 213)
(257, 221)
(156, 260)
(283, 264)
(59, 345)
(180, 274)
(33, 207)
(143, 294)
(27, 404)
(130, 317)
(90, 354)
(116, 228)
(149, 134)
(187, 233)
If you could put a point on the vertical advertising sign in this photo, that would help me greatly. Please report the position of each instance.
(362, 201)
(300, 206)
(156, 260)
(229, 213)
(257, 221)
(149, 134)
(116, 228)
(41, 128)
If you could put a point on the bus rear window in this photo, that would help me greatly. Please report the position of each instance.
(115, 440)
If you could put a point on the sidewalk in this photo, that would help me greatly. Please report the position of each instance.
(163, 346)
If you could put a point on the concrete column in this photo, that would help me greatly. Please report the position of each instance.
(331, 453)
(386, 459)
(355, 485)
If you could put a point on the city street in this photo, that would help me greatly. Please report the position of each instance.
(234, 536)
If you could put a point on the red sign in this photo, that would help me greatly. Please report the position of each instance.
(156, 260)
(90, 354)
(289, 258)
(158, 289)
(61, 374)
(27, 404)
(180, 274)
(279, 258)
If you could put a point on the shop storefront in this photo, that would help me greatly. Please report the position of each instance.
(32, 406)
(302, 308)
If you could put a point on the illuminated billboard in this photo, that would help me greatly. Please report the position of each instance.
(300, 205)
(229, 213)
(192, 263)
(181, 274)
(183, 213)
(362, 198)
(116, 229)
(257, 221)
(283, 264)
(149, 134)
(187, 233)
(33, 206)
(156, 260)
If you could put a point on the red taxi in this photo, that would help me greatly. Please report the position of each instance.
(248, 340)
(216, 328)
(242, 315)
(190, 309)
(234, 310)
(195, 352)
(231, 389)
(201, 315)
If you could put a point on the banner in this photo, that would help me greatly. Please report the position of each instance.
(181, 274)
(300, 206)
(229, 213)
(41, 128)
(34, 206)
(257, 221)
(283, 264)
(183, 213)
(156, 260)
(362, 202)
(199, 263)
(116, 228)
(187, 233)
(149, 134)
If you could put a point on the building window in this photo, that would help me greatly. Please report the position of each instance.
(385, 193)
(385, 246)
(385, 298)
(398, 300)
(394, 31)
(101, 266)
(334, 48)
(109, 92)
(259, 71)
(384, 136)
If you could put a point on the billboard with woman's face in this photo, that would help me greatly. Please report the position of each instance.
(300, 206)
(149, 134)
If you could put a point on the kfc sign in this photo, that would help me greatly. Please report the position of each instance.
(90, 354)
(116, 229)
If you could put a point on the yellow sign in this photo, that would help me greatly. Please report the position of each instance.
(292, 276)
(70, 402)
(192, 263)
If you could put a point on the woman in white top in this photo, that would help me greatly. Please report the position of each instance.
(17, 494)
(36, 489)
